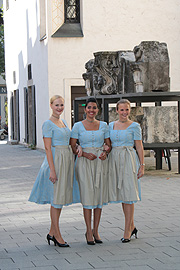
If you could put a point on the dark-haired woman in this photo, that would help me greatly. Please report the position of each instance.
(91, 167)
(126, 166)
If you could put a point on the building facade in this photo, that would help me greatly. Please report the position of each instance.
(47, 44)
(3, 90)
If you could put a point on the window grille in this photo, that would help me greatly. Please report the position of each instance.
(72, 11)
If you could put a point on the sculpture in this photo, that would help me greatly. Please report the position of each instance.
(153, 61)
(144, 69)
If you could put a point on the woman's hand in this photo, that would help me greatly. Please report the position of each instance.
(103, 155)
(79, 151)
(140, 171)
(53, 177)
(89, 156)
(140, 151)
(106, 147)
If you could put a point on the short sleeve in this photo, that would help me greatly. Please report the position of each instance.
(137, 132)
(106, 130)
(111, 126)
(47, 130)
(75, 131)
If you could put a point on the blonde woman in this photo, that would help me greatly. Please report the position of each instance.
(126, 165)
(54, 182)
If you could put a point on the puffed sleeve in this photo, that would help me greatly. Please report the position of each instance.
(111, 125)
(75, 131)
(106, 130)
(137, 132)
(47, 130)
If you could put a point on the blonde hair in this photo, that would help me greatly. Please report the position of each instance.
(123, 101)
(53, 98)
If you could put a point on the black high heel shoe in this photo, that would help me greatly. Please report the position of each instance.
(134, 232)
(49, 238)
(59, 244)
(98, 241)
(89, 242)
(124, 240)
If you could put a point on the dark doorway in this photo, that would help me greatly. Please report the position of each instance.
(14, 105)
(77, 91)
(30, 115)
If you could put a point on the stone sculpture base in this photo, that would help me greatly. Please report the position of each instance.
(159, 124)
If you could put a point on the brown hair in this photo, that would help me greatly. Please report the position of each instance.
(53, 98)
(123, 101)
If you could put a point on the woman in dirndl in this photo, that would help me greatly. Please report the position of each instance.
(54, 183)
(126, 165)
(91, 167)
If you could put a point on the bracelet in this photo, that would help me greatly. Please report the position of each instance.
(142, 164)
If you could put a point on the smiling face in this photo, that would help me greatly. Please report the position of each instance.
(123, 111)
(91, 110)
(57, 106)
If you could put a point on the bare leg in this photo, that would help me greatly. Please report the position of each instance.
(97, 217)
(132, 222)
(129, 216)
(87, 218)
(54, 230)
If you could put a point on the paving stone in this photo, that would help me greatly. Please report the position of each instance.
(7, 262)
(107, 264)
(145, 262)
(58, 263)
(38, 268)
(24, 225)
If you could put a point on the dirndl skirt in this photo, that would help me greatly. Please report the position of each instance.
(123, 168)
(60, 193)
(92, 179)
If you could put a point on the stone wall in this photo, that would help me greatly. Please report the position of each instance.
(159, 124)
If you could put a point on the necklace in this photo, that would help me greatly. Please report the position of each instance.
(123, 121)
(90, 121)
(55, 116)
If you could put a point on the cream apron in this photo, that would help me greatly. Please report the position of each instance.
(123, 182)
(64, 167)
(92, 178)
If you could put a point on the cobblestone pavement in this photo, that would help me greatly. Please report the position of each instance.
(24, 225)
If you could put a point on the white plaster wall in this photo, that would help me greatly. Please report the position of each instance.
(22, 47)
(58, 63)
(113, 25)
